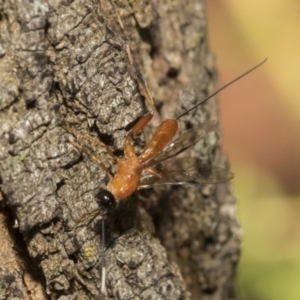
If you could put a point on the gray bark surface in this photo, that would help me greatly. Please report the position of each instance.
(65, 61)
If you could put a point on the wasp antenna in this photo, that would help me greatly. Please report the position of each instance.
(222, 88)
(107, 203)
(103, 263)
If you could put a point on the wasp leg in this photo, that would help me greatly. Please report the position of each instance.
(93, 157)
(94, 140)
(91, 216)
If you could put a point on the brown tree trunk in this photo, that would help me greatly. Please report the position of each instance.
(66, 61)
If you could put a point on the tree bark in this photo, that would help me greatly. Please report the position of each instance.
(66, 62)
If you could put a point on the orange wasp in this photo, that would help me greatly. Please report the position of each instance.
(153, 167)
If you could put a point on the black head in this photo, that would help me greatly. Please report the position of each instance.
(106, 200)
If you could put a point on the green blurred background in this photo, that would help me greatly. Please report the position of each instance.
(260, 116)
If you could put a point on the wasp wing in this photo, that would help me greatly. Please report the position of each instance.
(182, 143)
(182, 171)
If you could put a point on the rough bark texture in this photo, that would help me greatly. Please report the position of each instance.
(65, 61)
